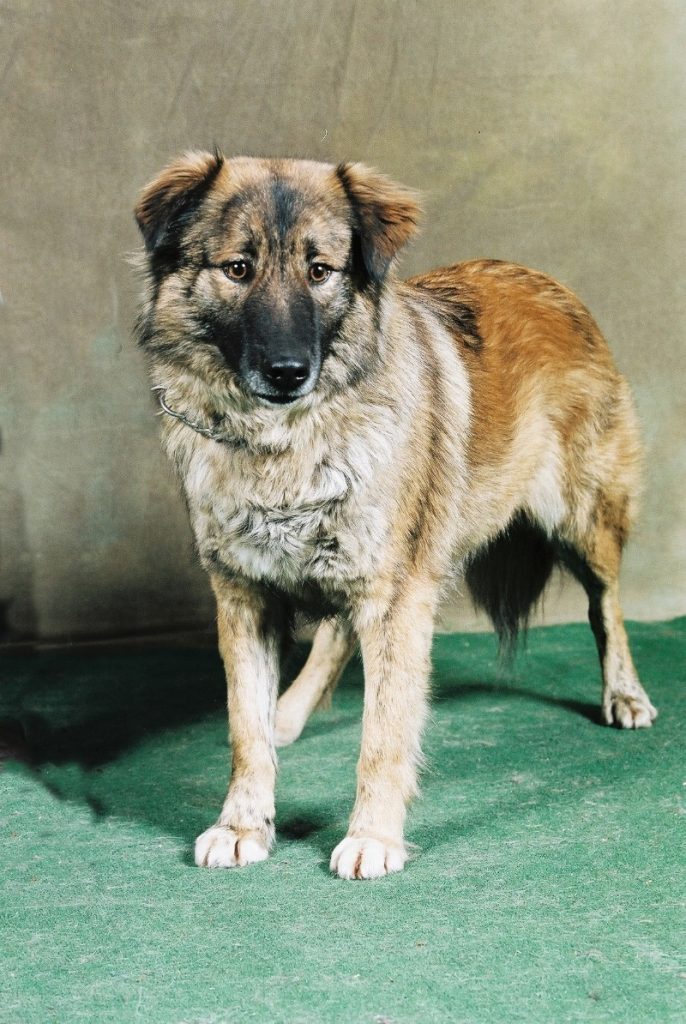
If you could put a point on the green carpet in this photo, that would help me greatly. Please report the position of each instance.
(547, 886)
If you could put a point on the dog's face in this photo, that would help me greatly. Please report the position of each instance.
(262, 269)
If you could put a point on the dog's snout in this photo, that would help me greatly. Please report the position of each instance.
(287, 374)
(282, 349)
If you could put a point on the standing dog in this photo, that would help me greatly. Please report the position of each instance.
(345, 439)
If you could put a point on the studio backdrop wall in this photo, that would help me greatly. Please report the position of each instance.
(551, 134)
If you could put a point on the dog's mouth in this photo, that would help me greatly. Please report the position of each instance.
(267, 395)
(278, 399)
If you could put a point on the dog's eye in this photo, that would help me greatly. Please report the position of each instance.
(319, 273)
(236, 270)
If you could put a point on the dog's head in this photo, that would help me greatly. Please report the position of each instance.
(264, 272)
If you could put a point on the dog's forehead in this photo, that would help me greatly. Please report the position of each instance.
(285, 195)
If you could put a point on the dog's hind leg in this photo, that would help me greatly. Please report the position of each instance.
(594, 560)
(333, 646)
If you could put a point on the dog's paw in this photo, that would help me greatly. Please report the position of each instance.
(361, 857)
(629, 710)
(288, 726)
(222, 847)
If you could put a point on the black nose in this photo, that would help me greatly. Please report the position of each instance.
(287, 374)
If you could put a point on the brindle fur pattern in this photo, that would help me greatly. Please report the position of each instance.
(470, 421)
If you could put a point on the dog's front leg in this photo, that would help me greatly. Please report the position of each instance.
(249, 641)
(395, 640)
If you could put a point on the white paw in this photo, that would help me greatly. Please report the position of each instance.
(288, 726)
(358, 857)
(629, 711)
(221, 847)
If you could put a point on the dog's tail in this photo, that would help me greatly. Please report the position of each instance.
(507, 576)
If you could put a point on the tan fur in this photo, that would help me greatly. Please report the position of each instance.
(468, 420)
(332, 647)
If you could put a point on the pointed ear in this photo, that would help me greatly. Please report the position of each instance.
(164, 204)
(386, 215)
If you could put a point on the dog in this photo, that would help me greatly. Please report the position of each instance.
(349, 444)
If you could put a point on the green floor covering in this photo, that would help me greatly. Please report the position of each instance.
(547, 886)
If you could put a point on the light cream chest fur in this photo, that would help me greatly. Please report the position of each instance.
(291, 518)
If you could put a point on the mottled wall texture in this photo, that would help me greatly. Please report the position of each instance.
(549, 133)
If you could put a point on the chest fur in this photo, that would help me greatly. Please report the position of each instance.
(284, 520)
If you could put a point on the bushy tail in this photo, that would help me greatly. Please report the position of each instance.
(507, 576)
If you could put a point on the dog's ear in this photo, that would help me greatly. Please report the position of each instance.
(386, 215)
(164, 204)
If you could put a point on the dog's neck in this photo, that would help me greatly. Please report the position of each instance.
(214, 432)
(207, 431)
(194, 410)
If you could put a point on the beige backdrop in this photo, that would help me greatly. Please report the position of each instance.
(548, 133)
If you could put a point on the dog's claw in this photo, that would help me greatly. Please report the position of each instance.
(360, 857)
(629, 711)
(222, 847)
